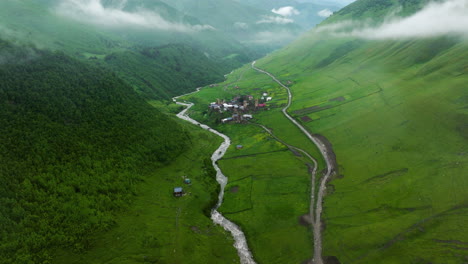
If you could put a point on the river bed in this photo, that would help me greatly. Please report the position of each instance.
(240, 241)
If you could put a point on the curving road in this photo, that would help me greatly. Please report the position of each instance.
(317, 224)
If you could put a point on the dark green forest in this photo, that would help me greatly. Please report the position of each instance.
(74, 141)
(169, 70)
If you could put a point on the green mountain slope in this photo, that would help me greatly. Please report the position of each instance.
(396, 114)
(164, 10)
(74, 142)
(166, 71)
(377, 9)
(36, 22)
(215, 54)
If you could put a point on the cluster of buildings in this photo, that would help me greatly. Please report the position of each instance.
(240, 107)
(179, 191)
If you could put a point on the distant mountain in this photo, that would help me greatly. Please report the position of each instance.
(79, 32)
(250, 25)
(73, 140)
(393, 102)
(309, 13)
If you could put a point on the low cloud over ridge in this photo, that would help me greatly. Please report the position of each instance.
(325, 13)
(275, 20)
(93, 12)
(436, 19)
(286, 11)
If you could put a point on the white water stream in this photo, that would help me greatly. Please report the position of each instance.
(240, 241)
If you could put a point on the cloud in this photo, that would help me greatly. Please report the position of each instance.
(436, 19)
(22, 38)
(340, 3)
(21, 54)
(267, 37)
(93, 12)
(241, 25)
(325, 13)
(275, 20)
(286, 11)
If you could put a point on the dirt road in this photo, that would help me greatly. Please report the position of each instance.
(316, 223)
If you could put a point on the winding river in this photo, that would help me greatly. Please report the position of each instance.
(240, 241)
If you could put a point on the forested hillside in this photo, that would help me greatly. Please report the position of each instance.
(74, 141)
(156, 62)
(165, 71)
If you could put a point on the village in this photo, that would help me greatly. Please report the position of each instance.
(240, 108)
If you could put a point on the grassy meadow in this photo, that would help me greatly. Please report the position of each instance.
(159, 228)
(246, 81)
(267, 204)
(396, 114)
(269, 186)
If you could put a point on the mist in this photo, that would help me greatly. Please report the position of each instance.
(436, 19)
(325, 13)
(286, 11)
(275, 20)
(266, 37)
(10, 55)
(93, 12)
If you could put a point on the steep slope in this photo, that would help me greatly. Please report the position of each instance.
(377, 10)
(36, 22)
(396, 114)
(74, 141)
(166, 71)
(41, 23)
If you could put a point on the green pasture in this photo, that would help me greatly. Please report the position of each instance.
(254, 140)
(267, 203)
(396, 114)
(251, 82)
(269, 187)
(159, 228)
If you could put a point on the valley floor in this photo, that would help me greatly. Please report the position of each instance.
(160, 228)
